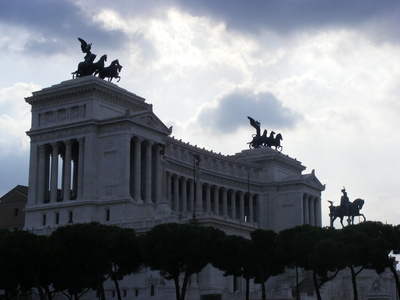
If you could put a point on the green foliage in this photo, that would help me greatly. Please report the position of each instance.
(25, 261)
(233, 255)
(88, 254)
(176, 249)
(266, 254)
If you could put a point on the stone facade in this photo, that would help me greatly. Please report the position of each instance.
(99, 153)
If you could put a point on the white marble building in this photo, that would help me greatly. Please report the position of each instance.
(99, 153)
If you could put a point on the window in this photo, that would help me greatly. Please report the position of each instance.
(44, 220)
(124, 293)
(107, 215)
(136, 292)
(57, 218)
(70, 217)
(16, 212)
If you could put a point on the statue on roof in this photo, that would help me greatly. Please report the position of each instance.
(89, 67)
(263, 140)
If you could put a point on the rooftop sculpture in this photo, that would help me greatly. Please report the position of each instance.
(264, 140)
(89, 67)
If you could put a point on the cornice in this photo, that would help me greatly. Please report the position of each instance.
(86, 88)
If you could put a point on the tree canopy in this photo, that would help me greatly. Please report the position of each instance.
(80, 257)
(179, 249)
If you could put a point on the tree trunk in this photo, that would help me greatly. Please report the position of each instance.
(316, 285)
(102, 295)
(396, 278)
(247, 288)
(49, 293)
(354, 282)
(116, 283)
(264, 295)
(184, 286)
(177, 288)
(42, 295)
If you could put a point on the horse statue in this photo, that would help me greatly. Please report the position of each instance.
(112, 71)
(339, 211)
(274, 141)
(98, 65)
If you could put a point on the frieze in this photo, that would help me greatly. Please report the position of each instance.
(115, 126)
(61, 134)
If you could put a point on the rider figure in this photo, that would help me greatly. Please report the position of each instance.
(344, 202)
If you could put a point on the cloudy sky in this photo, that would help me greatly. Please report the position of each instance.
(325, 74)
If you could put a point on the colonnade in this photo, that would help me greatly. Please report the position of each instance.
(186, 195)
(145, 171)
(151, 182)
(59, 173)
(311, 207)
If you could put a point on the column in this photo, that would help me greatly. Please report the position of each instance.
(54, 173)
(251, 208)
(41, 185)
(67, 170)
(306, 210)
(233, 204)
(158, 176)
(137, 172)
(312, 208)
(80, 161)
(224, 202)
(208, 198)
(168, 189)
(148, 172)
(216, 200)
(176, 193)
(241, 206)
(184, 194)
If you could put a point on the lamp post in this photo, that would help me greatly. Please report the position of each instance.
(196, 166)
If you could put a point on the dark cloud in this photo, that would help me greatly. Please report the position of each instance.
(233, 109)
(55, 25)
(286, 16)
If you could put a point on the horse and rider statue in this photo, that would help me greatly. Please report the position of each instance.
(346, 209)
(89, 67)
(264, 140)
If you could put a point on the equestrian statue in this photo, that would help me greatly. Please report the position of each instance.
(89, 67)
(346, 208)
(264, 140)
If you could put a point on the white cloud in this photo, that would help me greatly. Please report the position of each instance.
(15, 118)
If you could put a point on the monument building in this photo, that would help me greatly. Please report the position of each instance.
(99, 153)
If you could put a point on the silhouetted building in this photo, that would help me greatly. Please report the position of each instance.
(12, 206)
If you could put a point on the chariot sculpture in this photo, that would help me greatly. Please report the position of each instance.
(89, 67)
(263, 140)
